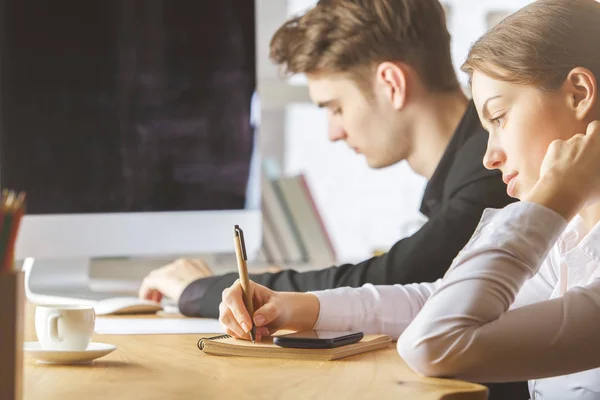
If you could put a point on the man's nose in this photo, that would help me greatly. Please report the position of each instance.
(336, 131)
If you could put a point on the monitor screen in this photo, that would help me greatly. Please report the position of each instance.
(127, 106)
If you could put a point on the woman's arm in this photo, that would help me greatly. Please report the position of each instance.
(465, 329)
(390, 309)
(372, 309)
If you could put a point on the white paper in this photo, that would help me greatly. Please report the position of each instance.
(143, 326)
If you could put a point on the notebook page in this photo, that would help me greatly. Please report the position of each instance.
(154, 326)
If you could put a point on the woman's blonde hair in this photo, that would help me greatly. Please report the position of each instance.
(540, 44)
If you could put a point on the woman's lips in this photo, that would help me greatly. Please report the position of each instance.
(511, 182)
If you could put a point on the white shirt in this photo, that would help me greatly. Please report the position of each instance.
(521, 301)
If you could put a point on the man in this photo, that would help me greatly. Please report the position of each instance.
(383, 71)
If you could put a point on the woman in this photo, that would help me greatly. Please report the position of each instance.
(521, 300)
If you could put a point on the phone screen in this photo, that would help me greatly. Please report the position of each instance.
(318, 334)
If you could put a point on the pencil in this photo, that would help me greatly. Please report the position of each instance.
(14, 231)
(11, 210)
(241, 256)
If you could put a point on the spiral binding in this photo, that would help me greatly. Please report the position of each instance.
(200, 343)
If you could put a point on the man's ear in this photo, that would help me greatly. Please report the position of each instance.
(392, 78)
(581, 90)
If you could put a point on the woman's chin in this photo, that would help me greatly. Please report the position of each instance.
(517, 195)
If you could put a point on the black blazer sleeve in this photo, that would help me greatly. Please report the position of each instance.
(423, 257)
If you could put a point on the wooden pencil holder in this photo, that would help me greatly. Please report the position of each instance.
(12, 302)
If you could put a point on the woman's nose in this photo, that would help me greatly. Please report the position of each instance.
(494, 157)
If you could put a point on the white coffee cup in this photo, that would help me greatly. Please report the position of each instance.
(64, 327)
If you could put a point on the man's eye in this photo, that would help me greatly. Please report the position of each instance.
(336, 111)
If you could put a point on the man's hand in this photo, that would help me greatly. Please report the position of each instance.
(171, 280)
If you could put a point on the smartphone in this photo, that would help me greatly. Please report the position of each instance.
(317, 339)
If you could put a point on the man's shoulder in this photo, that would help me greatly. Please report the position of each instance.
(468, 167)
(461, 171)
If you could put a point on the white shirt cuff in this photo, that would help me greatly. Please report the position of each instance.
(335, 309)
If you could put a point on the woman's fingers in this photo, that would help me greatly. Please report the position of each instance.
(266, 314)
(234, 301)
(228, 321)
(262, 332)
(235, 317)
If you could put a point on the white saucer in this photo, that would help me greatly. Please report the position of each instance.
(94, 350)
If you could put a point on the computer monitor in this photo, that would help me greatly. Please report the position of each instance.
(128, 124)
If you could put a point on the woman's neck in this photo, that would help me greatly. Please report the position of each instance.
(590, 216)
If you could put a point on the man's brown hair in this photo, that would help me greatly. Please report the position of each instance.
(354, 36)
(540, 44)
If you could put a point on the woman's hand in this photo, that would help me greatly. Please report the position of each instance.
(570, 173)
(273, 311)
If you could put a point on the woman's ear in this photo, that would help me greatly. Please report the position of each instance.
(580, 87)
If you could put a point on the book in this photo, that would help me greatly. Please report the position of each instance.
(306, 217)
(274, 206)
(272, 247)
(226, 345)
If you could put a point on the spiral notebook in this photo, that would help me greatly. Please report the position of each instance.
(225, 345)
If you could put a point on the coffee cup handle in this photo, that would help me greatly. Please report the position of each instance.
(53, 328)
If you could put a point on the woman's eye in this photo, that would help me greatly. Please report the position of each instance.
(337, 111)
(497, 121)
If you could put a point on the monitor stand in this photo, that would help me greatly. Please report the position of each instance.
(68, 281)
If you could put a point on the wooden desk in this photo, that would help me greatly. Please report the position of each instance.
(170, 367)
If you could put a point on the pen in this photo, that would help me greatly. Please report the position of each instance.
(240, 253)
